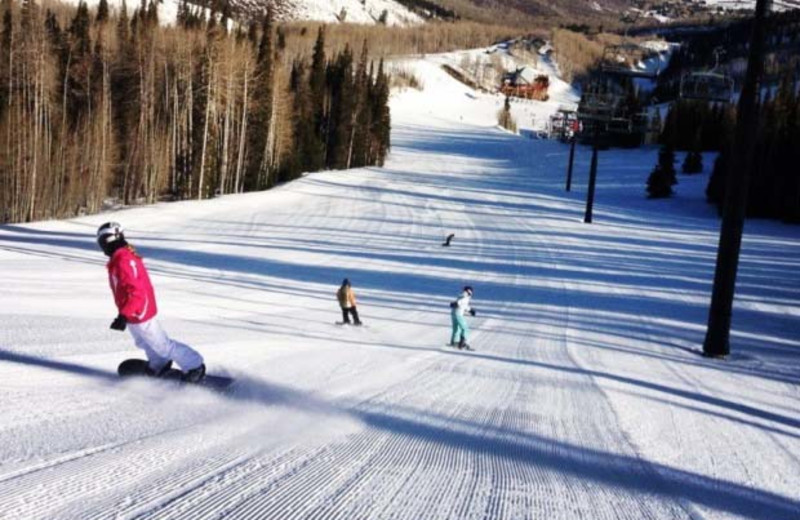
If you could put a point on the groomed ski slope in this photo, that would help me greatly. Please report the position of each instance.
(585, 398)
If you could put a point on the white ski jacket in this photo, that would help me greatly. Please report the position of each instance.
(462, 304)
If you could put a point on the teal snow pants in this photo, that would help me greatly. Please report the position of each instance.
(460, 328)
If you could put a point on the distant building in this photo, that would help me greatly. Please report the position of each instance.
(526, 83)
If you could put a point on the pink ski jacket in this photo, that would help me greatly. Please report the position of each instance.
(133, 292)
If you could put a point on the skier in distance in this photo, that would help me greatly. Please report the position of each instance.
(347, 302)
(458, 309)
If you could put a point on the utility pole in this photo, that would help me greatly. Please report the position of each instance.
(717, 342)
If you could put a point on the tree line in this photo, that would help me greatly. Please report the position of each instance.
(95, 107)
(695, 126)
(699, 51)
(774, 190)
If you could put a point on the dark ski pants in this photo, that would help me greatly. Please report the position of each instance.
(347, 312)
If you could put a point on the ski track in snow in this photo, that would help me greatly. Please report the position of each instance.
(585, 397)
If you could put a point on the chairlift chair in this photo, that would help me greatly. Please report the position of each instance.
(619, 125)
(599, 106)
(563, 124)
(707, 86)
(627, 124)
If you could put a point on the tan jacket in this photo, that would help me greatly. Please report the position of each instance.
(346, 296)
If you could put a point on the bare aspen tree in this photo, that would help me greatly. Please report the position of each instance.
(209, 104)
(242, 132)
(210, 77)
(226, 124)
(115, 106)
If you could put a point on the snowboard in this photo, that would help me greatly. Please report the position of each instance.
(455, 347)
(138, 367)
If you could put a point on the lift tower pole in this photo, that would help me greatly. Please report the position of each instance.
(587, 217)
(717, 342)
(571, 161)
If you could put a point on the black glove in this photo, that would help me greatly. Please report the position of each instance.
(119, 323)
(472, 312)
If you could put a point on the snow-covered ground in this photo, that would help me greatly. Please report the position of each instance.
(167, 9)
(485, 67)
(354, 11)
(328, 11)
(585, 397)
(777, 5)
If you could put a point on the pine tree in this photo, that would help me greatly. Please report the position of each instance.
(122, 24)
(6, 56)
(102, 12)
(343, 108)
(763, 172)
(78, 87)
(670, 132)
(252, 34)
(227, 14)
(693, 163)
(182, 15)
(306, 146)
(281, 39)
(789, 201)
(125, 87)
(662, 178)
(8, 179)
(79, 31)
(715, 191)
(318, 100)
(146, 112)
(151, 16)
(359, 146)
(504, 117)
(711, 129)
(381, 117)
(259, 157)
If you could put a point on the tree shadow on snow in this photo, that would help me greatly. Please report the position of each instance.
(414, 279)
(59, 365)
(619, 471)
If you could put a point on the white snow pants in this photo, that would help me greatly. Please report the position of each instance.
(160, 348)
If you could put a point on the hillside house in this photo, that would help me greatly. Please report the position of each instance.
(526, 83)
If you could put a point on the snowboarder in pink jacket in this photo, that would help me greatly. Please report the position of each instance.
(137, 309)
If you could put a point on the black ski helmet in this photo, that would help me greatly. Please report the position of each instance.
(468, 289)
(109, 235)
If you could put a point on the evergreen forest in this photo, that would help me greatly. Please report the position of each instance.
(98, 109)
(774, 189)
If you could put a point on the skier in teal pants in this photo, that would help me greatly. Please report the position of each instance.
(458, 309)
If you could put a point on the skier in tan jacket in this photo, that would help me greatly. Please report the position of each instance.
(347, 301)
